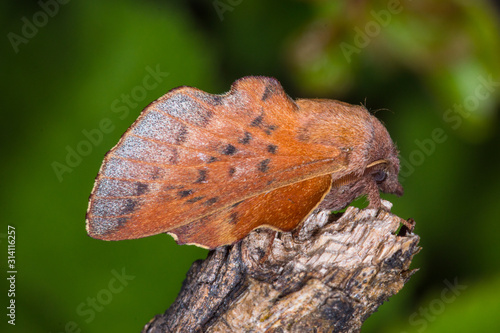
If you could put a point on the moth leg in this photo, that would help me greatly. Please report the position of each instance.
(373, 194)
(409, 224)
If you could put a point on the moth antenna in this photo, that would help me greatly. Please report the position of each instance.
(381, 109)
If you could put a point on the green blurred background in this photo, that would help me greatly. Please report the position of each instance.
(71, 70)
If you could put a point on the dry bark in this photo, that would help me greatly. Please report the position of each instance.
(328, 276)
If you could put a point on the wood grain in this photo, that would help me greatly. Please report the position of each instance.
(328, 276)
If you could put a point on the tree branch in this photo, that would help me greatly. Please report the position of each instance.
(328, 276)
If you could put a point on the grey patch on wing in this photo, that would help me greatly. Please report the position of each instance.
(102, 226)
(140, 149)
(187, 109)
(158, 126)
(119, 188)
(113, 207)
(210, 99)
(127, 169)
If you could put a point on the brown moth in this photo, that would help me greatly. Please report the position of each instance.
(208, 169)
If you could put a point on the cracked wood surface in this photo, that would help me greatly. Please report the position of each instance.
(328, 276)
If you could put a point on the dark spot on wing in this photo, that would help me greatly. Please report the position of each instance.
(130, 206)
(270, 90)
(269, 129)
(212, 159)
(195, 199)
(246, 139)
(217, 99)
(185, 193)
(174, 158)
(181, 135)
(141, 188)
(272, 149)
(231, 171)
(122, 220)
(233, 218)
(229, 150)
(211, 201)
(257, 121)
(264, 165)
(202, 176)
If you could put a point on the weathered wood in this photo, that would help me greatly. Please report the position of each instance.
(328, 276)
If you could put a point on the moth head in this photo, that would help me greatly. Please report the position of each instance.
(384, 168)
(385, 174)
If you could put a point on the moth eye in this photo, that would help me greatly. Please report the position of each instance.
(379, 176)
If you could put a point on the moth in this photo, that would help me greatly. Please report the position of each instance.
(208, 169)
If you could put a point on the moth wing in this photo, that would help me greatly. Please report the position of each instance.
(232, 223)
(191, 154)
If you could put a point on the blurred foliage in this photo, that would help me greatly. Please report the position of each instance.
(446, 45)
(434, 65)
